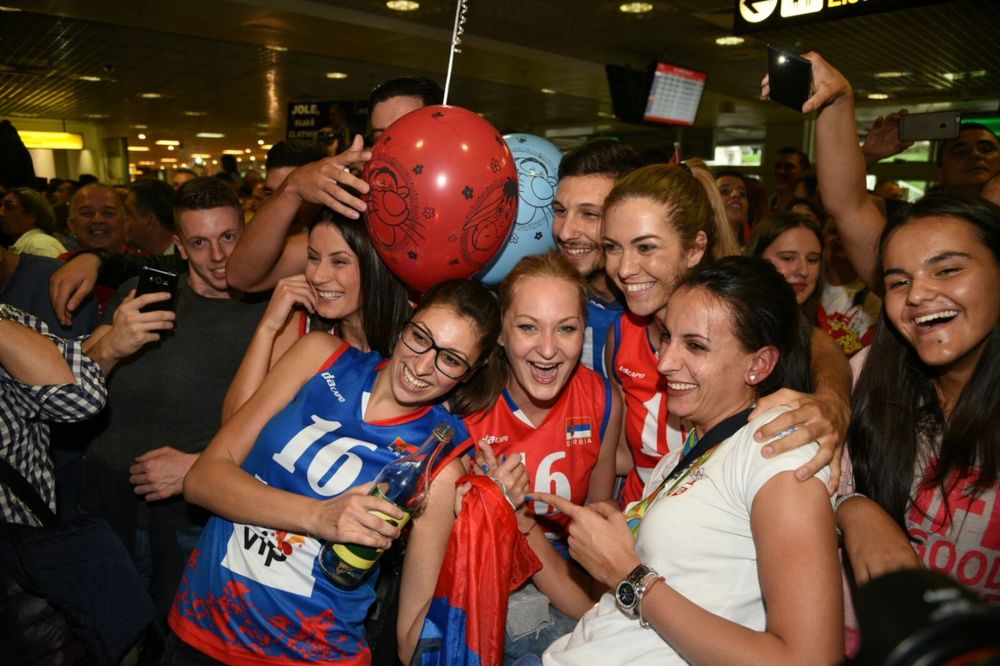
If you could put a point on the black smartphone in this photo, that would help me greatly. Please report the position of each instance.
(154, 280)
(930, 126)
(790, 76)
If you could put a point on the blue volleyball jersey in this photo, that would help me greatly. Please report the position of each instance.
(600, 317)
(252, 594)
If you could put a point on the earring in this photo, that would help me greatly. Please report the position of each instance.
(753, 378)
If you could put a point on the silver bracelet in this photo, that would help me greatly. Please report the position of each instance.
(503, 489)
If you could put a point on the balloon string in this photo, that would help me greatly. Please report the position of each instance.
(456, 41)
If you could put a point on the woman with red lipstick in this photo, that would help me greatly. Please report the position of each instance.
(660, 222)
(559, 416)
(292, 470)
(794, 244)
(728, 558)
(327, 297)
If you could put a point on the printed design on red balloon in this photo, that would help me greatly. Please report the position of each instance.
(392, 201)
(488, 222)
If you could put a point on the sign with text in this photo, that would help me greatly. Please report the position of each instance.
(757, 15)
(323, 121)
(674, 95)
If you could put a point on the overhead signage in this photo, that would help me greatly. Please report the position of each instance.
(758, 15)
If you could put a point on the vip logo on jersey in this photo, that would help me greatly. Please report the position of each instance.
(274, 558)
(401, 448)
(578, 431)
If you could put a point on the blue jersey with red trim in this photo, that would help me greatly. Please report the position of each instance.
(561, 452)
(252, 594)
(650, 430)
(601, 317)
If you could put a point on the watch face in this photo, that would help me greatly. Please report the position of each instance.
(626, 595)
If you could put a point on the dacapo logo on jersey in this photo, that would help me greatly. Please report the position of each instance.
(331, 381)
(629, 372)
(578, 431)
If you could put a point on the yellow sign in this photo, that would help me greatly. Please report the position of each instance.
(52, 140)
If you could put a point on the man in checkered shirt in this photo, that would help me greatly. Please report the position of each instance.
(43, 379)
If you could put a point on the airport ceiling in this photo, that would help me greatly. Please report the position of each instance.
(231, 66)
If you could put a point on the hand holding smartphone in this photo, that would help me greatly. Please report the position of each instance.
(930, 126)
(154, 280)
(790, 77)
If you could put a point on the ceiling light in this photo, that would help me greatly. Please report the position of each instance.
(239, 159)
(729, 41)
(195, 114)
(138, 149)
(200, 156)
(170, 147)
(877, 96)
(260, 142)
(97, 116)
(168, 142)
(210, 135)
(264, 125)
(151, 95)
(402, 5)
(246, 150)
(215, 161)
(139, 126)
(336, 75)
(54, 140)
(635, 7)
(889, 75)
(275, 47)
(141, 136)
(9, 9)
(253, 159)
(266, 146)
(605, 114)
(958, 76)
(548, 91)
(184, 165)
(88, 78)
(169, 160)
(231, 152)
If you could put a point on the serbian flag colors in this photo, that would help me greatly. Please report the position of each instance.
(487, 558)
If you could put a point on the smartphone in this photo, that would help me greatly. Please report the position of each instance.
(154, 280)
(930, 126)
(790, 76)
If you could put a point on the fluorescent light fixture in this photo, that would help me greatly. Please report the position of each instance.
(200, 156)
(138, 149)
(958, 76)
(231, 151)
(889, 75)
(139, 126)
(635, 7)
(877, 96)
(729, 41)
(97, 116)
(548, 91)
(169, 160)
(402, 5)
(151, 95)
(195, 114)
(275, 47)
(168, 142)
(89, 78)
(51, 140)
(210, 135)
(336, 75)
(9, 9)
(266, 146)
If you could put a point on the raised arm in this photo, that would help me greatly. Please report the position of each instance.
(30, 357)
(840, 170)
(265, 253)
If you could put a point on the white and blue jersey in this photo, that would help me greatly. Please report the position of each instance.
(601, 316)
(252, 594)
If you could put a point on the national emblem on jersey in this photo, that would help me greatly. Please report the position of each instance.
(578, 431)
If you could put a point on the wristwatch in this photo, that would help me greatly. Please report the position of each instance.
(629, 592)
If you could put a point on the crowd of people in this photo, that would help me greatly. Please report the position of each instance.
(701, 420)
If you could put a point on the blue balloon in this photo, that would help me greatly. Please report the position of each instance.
(537, 162)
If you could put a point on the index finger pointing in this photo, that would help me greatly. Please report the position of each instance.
(559, 503)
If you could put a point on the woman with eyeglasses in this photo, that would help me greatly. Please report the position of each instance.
(328, 296)
(561, 419)
(291, 471)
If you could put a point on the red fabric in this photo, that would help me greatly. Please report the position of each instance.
(487, 558)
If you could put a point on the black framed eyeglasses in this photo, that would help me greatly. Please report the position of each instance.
(447, 361)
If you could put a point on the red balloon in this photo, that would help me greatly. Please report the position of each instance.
(443, 195)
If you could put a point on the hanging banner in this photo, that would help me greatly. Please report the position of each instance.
(758, 15)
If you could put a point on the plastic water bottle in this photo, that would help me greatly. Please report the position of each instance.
(404, 482)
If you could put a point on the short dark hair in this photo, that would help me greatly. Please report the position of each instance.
(156, 197)
(939, 157)
(203, 193)
(733, 173)
(426, 89)
(87, 179)
(294, 153)
(764, 312)
(186, 170)
(600, 156)
(803, 158)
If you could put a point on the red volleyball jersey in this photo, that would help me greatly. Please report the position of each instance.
(650, 430)
(561, 452)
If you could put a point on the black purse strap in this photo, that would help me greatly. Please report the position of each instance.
(24, 491)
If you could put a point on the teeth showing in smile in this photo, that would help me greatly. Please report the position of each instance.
(413, 381)
(577, 251)
(330, 295)
(680, 386)
(927, 319)
(635, 288)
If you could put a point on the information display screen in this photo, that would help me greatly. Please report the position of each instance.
(674, 95)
